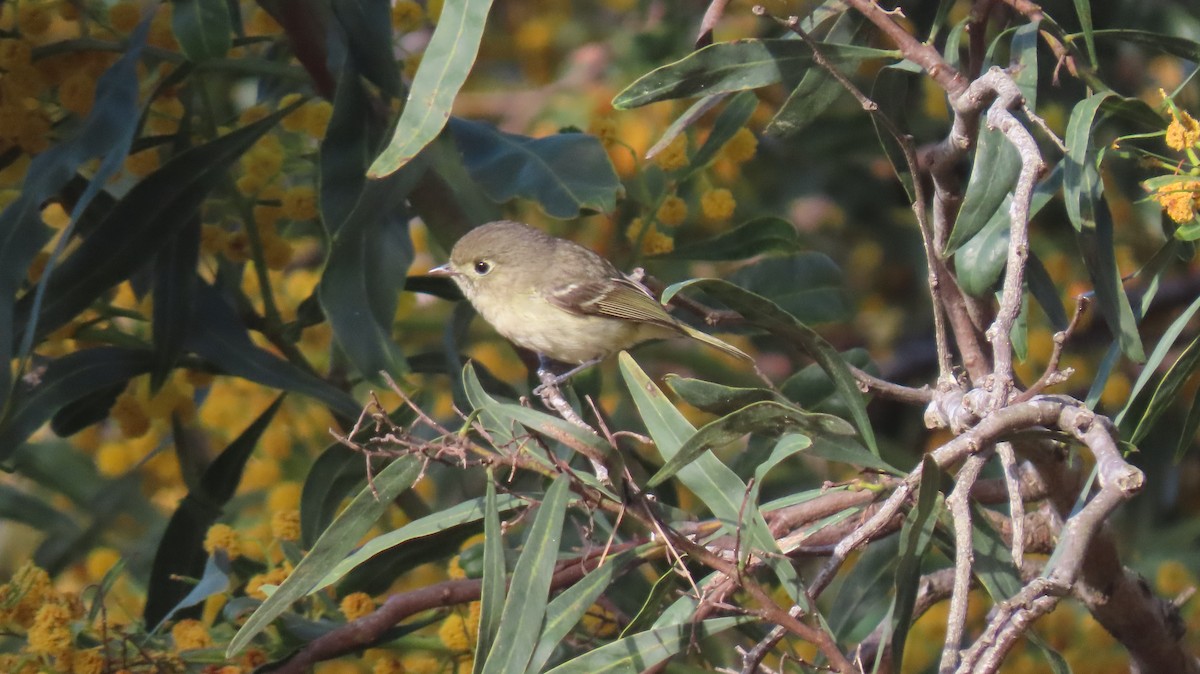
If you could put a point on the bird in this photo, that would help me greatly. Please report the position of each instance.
(557, 298)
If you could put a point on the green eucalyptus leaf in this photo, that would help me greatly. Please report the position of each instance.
(639, 651)
(444, 67)
(180, 553)
(64, 381)
(528, 592)
(202, 27)
(335, 542)
(765, 314)
(566, 173)
(762, 417)
(808, 285)
(716, 398)
(736, 66)
(759, 236)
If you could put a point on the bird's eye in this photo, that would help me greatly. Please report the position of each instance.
(482, 267)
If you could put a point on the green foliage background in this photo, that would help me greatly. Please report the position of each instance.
(198, 281)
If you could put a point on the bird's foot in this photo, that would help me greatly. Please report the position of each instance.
(550, 380)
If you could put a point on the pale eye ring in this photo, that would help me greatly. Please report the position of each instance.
(482, 267)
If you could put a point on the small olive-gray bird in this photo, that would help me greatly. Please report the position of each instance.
(558, 298)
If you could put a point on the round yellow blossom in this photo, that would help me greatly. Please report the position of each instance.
(294, 121)
(434, 9)
(411, 65)
(1173, 578)
(260, 473)
(453, 633)
(24, 594)
(253, 114)
(1178, 200)
(388, 664)
(284, 496)
(165, 114)
(142, 164)
(50, 633)
(99, 562)
(474, 611)
(189, 635)
(674, 156)
(250, 183)
(604, 127)
(717, 204)
(1183, 131)
(114, 460)
(672, 212)
(55, 216)
(285, 525)
(223, 537)
(77, 93)
(300, 203)
(316, 118)
(465, 666)
(741, 147)
(657, 243)
(356, 605)
(454, 569)
(124, 16)
(635, 229)
(15, 53)
(90, 661)
(33, 18)
(273, 577)
(130, 415)
(407, 16)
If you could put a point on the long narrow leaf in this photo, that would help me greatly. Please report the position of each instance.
(639, 651)
(444, 68)
(525, 607)
(331, 547)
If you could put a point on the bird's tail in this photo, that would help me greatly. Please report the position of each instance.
(715, 343)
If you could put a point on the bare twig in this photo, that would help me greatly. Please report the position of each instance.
(959, 502)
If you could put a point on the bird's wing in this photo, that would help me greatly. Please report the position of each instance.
(613, 298)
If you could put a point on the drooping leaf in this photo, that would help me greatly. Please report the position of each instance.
(765, 314)
(368, 23)
(565, 610)
(761, 417)
(735, 66)
(495, 576)
(444, 67)
(64, 381)
(716, 398)
(175, 282)
(368, 262)
(637, 652)
(566, 173)
(139, 225)
(457, 515)
(528, 592)
(180, 553)
(732, 118)
(220, 338)
(107, 132)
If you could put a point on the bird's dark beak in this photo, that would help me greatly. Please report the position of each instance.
(442, 271)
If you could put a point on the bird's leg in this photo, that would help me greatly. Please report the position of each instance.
(551, 380)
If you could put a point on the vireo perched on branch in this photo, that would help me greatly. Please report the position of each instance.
(557, 298)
